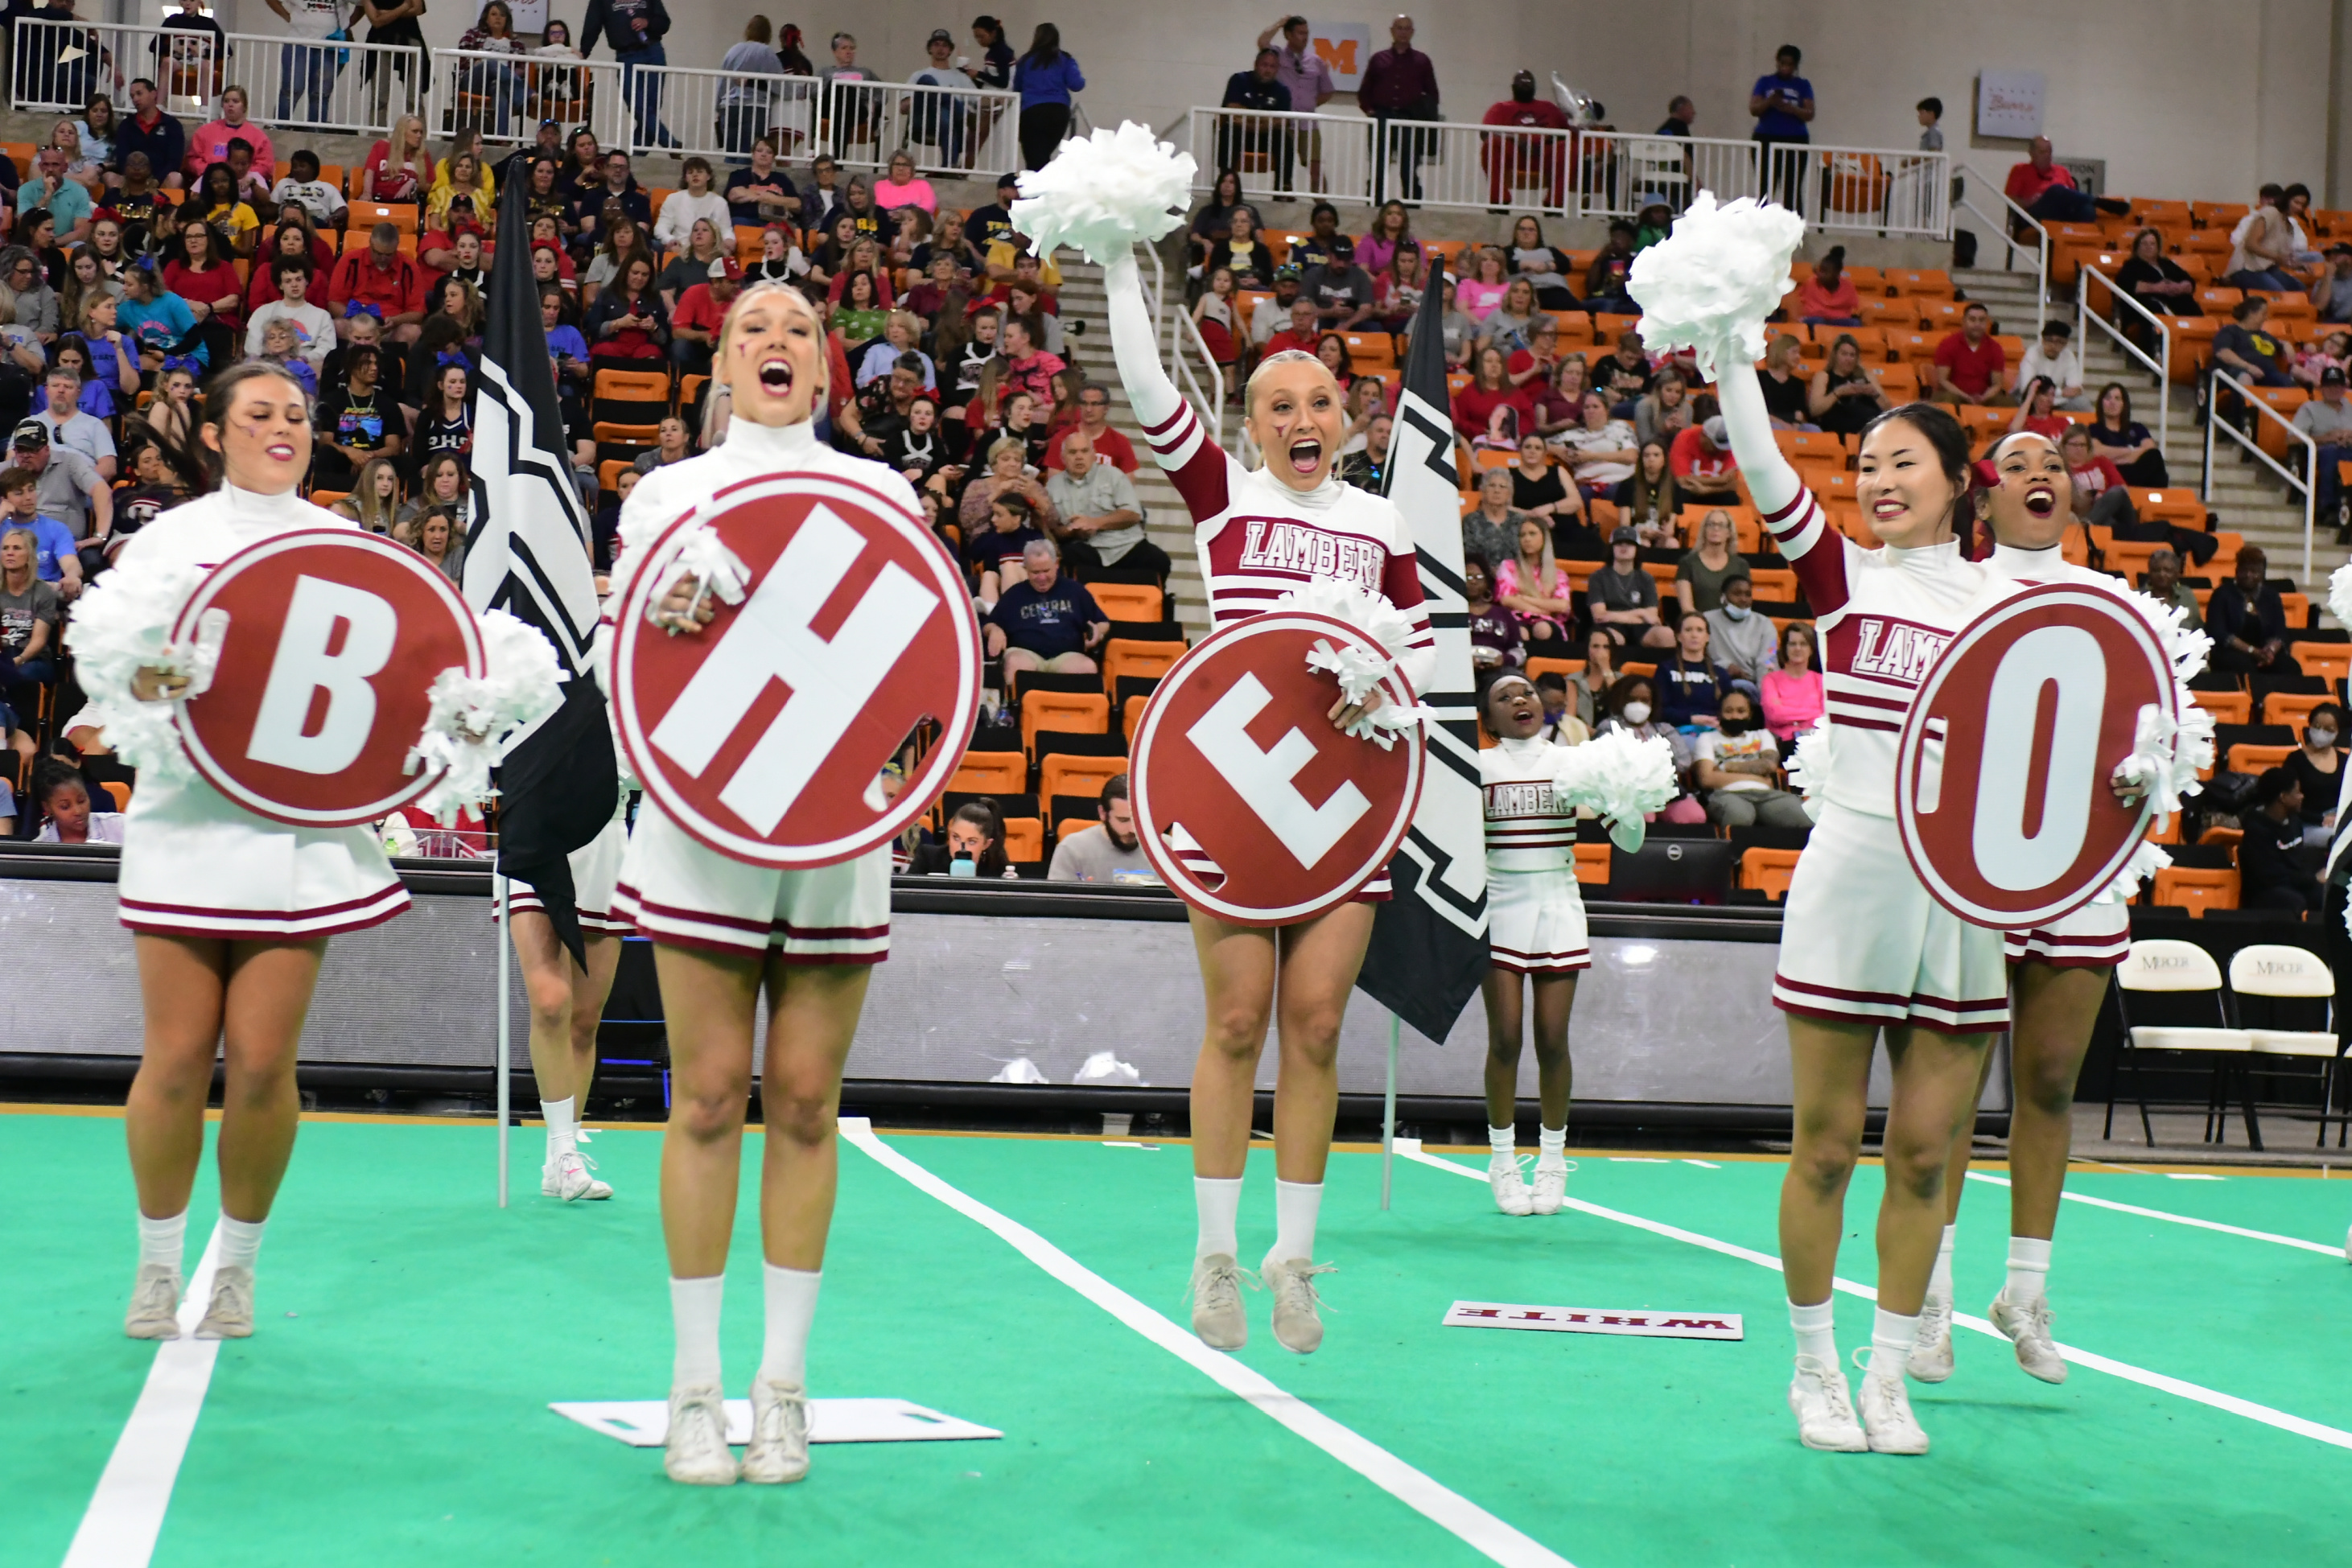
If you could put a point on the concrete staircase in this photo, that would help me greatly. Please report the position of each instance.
(2245, 496)
(1165, 519)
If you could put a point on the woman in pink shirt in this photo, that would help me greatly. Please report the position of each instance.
(1478, 294)
(1793, 699)
(1392, 233)
(905, 188)
(1829, 295)
(208, 143)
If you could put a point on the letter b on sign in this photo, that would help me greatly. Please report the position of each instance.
(317, 709)
(2001, 791)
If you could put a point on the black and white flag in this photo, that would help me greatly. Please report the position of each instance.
(1428, 954)
(527, 553)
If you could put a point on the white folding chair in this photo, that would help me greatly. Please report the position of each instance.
(2162, 976)
(2279, 972)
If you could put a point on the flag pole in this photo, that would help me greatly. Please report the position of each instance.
(1388, 1114)
(506, 1045)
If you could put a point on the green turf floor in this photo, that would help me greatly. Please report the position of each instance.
(399, 1416)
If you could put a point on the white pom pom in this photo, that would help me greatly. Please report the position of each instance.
(2189, 646)
(1621, 777)
(121, 624)
(1105, 192)
(700, 554)
(1810, 764)
(2145, 861)
(473, 721)
(1709, 284)
(1370, 613)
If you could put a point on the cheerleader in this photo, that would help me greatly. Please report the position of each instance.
(567, 1002)
(1535, 933)
(1261, 534)
(231, 912)
(724, 931)
(2058, 977)
(1865, 948)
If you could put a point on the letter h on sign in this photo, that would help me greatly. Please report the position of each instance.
(830, 680)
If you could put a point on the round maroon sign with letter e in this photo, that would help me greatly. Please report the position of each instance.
(329, 640)
(1249, 803)
(2001, 794)
(765, 735)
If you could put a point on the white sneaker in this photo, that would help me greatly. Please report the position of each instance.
(566, 1176)
(230, 1313)
(1552, 1184)
(154, 1303)
(1510, 1188)
(1931, 1351)
(1823, 1409)
(1218, 1320)
(1886, 1412)
(695, 1453)
(1297, 1315)
(779, 1449)
(2027, 1328)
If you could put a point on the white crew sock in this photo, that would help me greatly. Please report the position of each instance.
(1219, 1200)
(1816, 1329)
(1503, 1142)
(1296, 1205)
(162, 1241)
(791, 1308)
(1939, 1282)
(694, 1313)
(240, 1241)
(2029, 1268)
(1891, 1338)
(1552, 1143)
(563, 1126)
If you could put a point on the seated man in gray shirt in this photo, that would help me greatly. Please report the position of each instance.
(1102, 521)
(1740, 643)
(1112, 853)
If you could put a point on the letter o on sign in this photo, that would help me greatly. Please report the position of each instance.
(329, 640)
(765, 734)
(1250, 805)
(2001, 792)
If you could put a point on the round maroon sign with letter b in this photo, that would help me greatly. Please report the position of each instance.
(2002, 784)
(1250, 804)
(329, 643)
(764, 735)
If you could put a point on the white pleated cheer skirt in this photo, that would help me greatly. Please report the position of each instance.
(196, 863)
(1535, 922)
(677, 890)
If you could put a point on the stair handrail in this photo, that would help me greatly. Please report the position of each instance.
(2309, 486)
(2085, 315)
(2008, 236)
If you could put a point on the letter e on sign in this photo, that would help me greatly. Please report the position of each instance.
(329, 640)
(764, 735)
(2001, 783)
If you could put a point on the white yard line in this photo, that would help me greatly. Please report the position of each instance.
(1448, 1510)
(2125, 1370)
(126, 1513)
(2295, 1242)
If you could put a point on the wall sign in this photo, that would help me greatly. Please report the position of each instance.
(2008, 103)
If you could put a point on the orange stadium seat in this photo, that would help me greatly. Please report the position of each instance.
(1769, 870)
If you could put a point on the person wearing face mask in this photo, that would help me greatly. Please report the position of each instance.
(1743, 644)
(1263, 533)
(230, 913)
(1112, 854)
(2317, 766)
(2059, 974)
(1738, 765)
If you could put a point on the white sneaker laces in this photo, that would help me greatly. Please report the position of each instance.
(1216, 1290)
(1832, 1387)
(1297, 1286)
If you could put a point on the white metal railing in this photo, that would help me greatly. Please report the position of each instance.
(1209, 402)
(2308, 483)
(2084, 315)
(1284, 154)
(2008, 238)
(950, 129)
(505, 97)
(1842, 188)
(1475, 167)
(334, 86)
(691, 112)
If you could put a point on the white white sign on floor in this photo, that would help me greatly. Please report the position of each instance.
(645, 1422)
(1594, 1320)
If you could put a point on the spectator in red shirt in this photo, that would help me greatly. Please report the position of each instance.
(1094, 419)
(1487, 412)
(2101, 498)
(1510, 160)
(693, 325)
(1027, 367)
(1829, 295)
(1305, 333)
(2046, 189)
(1970, 367)
(1702, 464)
(381, 278)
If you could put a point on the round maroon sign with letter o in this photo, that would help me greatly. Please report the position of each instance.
(329, 640)
(2001, 792)
(1249, 803)
(764, 735)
